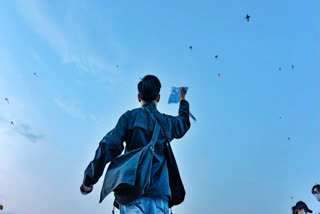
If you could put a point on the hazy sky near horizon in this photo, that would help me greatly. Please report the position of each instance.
(255, 143)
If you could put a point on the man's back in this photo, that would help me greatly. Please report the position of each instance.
(140, 127)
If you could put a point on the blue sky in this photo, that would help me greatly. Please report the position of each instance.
(235, 158)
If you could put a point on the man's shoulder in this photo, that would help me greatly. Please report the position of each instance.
(134, 111)
(141, 113)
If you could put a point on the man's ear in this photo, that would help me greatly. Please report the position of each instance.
(139, 98)
(158, 98)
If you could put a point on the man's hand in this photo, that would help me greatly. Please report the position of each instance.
(182, 93)
(85, 190)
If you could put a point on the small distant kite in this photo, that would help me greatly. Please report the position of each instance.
(247, 17)
(6, 99)
(289, 138)
(174, 98)
(190, 47)
(219, 75)
(292, 67)
(35, 73)
(216, 56)
(12, 123)
(280, 68)
(291, 197)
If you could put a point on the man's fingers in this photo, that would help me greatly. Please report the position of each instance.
(183, 92)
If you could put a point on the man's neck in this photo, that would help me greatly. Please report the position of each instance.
(146, 102)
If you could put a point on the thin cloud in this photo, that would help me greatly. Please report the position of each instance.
(70, 108)
(67, 49)
(36, 57)
(23, 129)
(26, 131)
(3, 120)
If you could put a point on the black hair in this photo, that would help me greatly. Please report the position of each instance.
(149, 88)
(315, 186)
(294, 210)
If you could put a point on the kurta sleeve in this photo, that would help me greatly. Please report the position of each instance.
(109, 148)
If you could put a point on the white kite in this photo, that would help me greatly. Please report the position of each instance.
(174, 98)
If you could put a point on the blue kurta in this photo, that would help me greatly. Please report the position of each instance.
(135, 128)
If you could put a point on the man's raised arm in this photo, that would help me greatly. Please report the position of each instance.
(181, 124)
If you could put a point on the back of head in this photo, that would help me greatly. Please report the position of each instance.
(149, 88)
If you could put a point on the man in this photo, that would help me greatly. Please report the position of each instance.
(135, 127)
(316, 191)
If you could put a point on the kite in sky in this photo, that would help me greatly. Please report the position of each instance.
(219, 75)
(247, 17)
(292, 66)
(190, 47)
(289, 138)
(280, 68)
(12, 123)
(7, 100)
(174, 98)
(216, 56)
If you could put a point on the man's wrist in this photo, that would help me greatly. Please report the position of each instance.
(184, 102)
(87, 183)
(90, 185)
